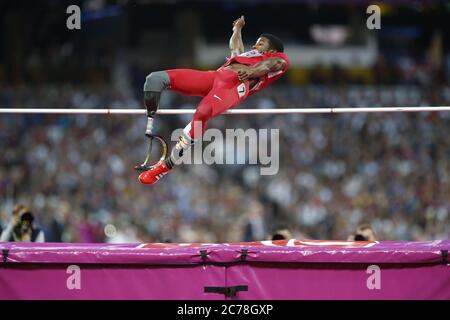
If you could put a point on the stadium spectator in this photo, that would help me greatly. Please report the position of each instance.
(364, 232)
(21, 227)
(281, 233)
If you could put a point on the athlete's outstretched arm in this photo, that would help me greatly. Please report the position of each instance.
(236, 44)
(262, 68)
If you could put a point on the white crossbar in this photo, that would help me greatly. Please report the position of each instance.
(232, 111)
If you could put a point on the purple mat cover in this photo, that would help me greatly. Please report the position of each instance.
(294, 269)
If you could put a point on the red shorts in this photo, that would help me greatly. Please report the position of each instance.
(221, 90)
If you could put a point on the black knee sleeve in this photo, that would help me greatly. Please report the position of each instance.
(154, 84)
(151, 100)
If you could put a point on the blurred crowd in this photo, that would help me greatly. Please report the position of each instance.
(75, 172)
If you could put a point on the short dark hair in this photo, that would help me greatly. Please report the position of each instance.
(26, 216)
(278, 236)
(362, 227)
(274, 42)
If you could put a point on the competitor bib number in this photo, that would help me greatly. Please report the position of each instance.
(241, 90)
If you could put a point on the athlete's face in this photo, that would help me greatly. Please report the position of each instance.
(262, 45)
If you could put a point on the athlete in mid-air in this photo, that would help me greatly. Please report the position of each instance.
(244, 74)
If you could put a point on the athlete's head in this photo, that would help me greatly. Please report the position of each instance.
(268, 43)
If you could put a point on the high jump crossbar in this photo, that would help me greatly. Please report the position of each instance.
(232, 111)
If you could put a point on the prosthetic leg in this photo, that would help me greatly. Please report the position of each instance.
(151, 102)
(155, 83)
(163, 167)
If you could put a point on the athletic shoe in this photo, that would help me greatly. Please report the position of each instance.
(154, 174)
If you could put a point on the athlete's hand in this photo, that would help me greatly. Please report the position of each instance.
(239, 23)
(245, 75)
